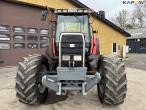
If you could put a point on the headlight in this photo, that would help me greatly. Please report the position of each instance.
(77, 58)
(66, 57)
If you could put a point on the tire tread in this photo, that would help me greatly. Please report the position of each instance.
(27, 78)
(115, 81)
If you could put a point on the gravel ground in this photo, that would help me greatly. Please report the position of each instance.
(137, 61)
(136, 96)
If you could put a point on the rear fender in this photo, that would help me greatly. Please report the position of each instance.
(94, 50)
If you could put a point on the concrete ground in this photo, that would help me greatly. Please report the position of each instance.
(137, 61)
(136, 95)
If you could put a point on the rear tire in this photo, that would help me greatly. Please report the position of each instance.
(29, 88)
(113, 85)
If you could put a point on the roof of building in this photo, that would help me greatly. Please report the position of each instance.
(137, 33)
(81, 5)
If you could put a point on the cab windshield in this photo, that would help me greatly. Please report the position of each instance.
(72, 23)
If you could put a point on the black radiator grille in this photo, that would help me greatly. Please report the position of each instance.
(72, 45)
(72, 38)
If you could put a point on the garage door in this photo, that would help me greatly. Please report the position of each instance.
(21, 32)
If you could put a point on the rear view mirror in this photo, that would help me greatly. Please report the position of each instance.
(44, 14)
(95, 31)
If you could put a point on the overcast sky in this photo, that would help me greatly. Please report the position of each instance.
(111, 7)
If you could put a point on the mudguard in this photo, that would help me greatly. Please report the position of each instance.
(94, 50)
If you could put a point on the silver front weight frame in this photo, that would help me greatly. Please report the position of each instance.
(52, 82)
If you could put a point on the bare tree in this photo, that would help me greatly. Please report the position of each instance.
(144, 6)
(138, 15)
(136, 20)
(133, 22)
(121, 19)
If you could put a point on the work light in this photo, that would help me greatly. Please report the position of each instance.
(72, 10)
(77, 58)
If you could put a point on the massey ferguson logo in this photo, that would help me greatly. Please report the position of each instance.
(134, 2)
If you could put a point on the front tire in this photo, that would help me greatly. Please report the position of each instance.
(29, 89)
(113, 85)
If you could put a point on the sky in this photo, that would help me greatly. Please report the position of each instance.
(111, 7)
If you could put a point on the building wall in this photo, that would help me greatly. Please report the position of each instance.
(16, 44)
(137, 46)
(51, 3)
(106, 34)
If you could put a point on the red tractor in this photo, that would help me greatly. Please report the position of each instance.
(72, 63)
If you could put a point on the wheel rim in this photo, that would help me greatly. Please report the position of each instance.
(101, 83)
(41, 87)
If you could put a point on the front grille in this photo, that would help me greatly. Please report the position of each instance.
(72, 38)
(72, 45)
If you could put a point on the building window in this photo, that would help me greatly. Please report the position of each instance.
(43, 38)
(43, 45)
(32, 45)
(19, 45)
(5, 46)
(44, 31)
(19, 38)
(4, 28)
(5, 37)
(32, 31)
(32, 38)
(18, 29)
(114, 48)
